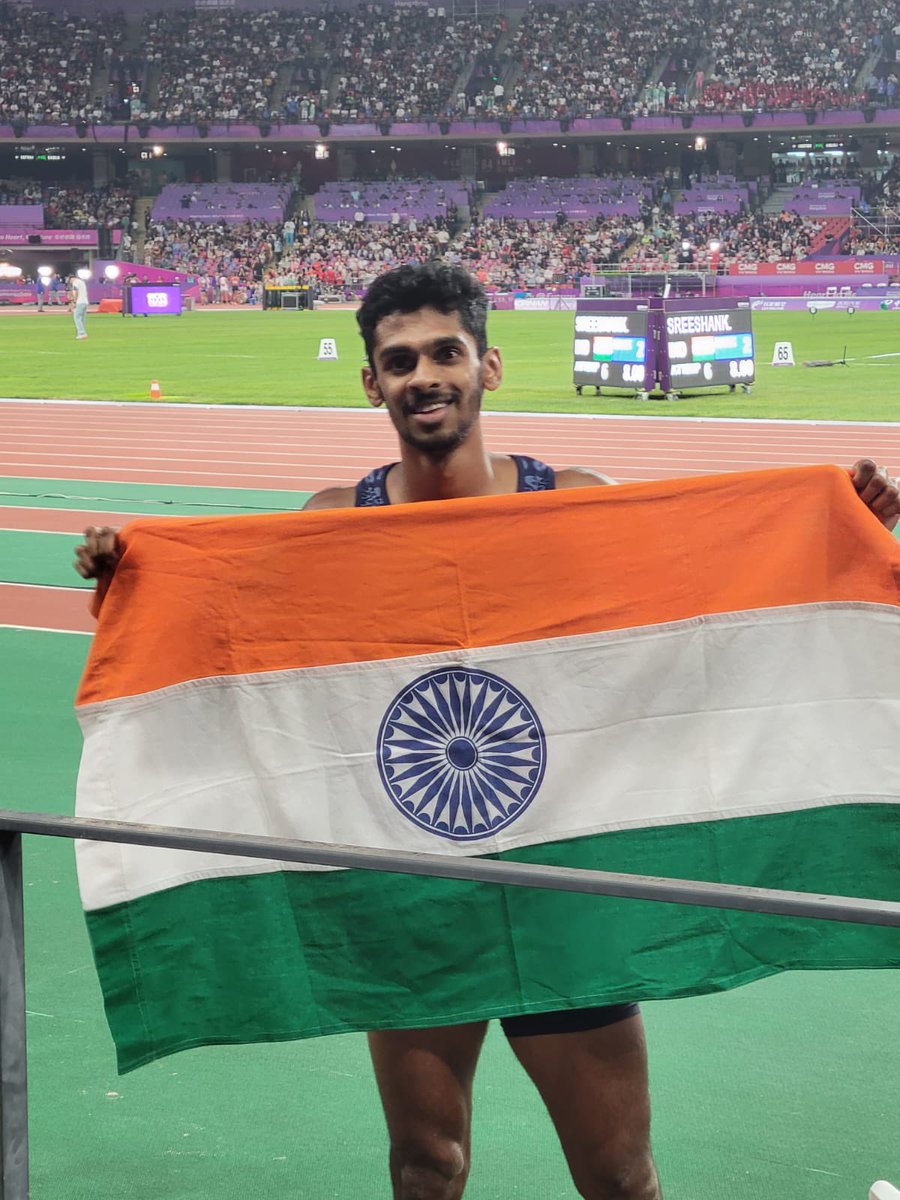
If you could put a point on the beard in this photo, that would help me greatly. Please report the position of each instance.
(441, 443)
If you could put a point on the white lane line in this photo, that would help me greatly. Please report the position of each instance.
(47, 629)
(372, 413)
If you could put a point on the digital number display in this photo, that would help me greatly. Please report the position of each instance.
(708, 348)
(610, 349)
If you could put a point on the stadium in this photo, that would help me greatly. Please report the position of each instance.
(682, 224)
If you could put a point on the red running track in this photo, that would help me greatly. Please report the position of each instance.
(296, 449)
(306, 449)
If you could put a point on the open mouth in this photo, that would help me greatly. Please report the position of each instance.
(430, 411)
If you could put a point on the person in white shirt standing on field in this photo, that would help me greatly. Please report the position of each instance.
(78, 302)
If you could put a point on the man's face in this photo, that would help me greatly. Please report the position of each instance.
(429, 375)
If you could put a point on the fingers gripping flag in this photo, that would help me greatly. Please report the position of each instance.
(695, 678)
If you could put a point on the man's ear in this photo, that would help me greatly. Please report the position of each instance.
(371, 388)
(491, 369)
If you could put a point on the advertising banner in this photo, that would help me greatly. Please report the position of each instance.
(841, 265)
(14, 236)
(155, 300)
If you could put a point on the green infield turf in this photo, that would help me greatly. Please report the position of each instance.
(258, 357)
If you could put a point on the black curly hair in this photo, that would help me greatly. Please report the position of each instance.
(424, 285)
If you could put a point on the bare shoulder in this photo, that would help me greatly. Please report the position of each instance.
(579, 477)
(333, 497)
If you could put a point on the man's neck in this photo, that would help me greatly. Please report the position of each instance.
(466, 471)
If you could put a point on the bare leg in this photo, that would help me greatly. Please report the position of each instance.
(425, 1080)
(594, 1084)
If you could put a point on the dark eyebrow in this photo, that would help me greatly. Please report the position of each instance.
(438, 344)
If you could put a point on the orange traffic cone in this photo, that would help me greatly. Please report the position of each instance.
(155, 390)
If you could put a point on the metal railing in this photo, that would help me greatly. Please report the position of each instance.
(13, 1061)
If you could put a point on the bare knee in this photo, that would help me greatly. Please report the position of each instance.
(435, 1172)
(629, 1178)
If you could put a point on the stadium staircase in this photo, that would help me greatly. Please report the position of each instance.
(513, 69)
(133, 43)
(704, 63)
(100, 81)
(142, 206)
(777, 199)
(283, 81)
(861, 79)
(150, 90)
(655, 74)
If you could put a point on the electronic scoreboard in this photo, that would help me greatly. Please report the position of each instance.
(611, 346)
(707, 345)
(662, 345)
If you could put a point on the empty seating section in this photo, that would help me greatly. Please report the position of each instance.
(540, 199)
(390, 200)
(224, 203)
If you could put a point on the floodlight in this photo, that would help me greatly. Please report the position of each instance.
(111, 271)
(45, 271)
(83, 273)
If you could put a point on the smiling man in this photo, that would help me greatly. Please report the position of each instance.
(424, 329)
(429, 363)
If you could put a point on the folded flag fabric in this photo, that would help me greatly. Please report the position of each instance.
(695, 678)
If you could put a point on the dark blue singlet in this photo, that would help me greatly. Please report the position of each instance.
(534, 476)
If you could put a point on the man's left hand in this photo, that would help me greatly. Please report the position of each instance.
(877, 491)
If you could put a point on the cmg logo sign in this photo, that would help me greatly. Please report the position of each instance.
(157, 300)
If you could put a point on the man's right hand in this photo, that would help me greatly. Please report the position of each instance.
(98, 555)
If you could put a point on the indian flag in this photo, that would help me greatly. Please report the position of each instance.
(696, 678)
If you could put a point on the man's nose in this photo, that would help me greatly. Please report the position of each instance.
(426, 374)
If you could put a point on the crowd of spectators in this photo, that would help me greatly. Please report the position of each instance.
(588, 59)
(787, 54)
(21, 191)
(716, 240)
(881, 87)
(405, 62)
(506, 253)
(77, 206)
(593, 57)
(877, 229)
(228, 260)
(222, 64)
(47, 63)
(73, 205)
(513, 255)
(341, 257)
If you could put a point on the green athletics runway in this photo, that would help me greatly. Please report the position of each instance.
(782, 1090)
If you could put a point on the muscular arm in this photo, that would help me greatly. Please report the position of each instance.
(333, 497)
(579, 477)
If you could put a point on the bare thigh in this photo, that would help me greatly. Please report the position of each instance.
(425, 1080)
(595, 1086)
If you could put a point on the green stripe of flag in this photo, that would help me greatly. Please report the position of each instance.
(304, 953)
